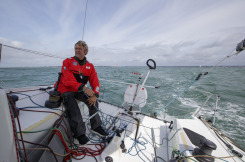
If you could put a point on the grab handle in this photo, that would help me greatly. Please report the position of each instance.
(151, 67)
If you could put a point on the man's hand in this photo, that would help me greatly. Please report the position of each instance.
(92, 100)
(88, 91)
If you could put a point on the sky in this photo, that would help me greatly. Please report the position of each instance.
(123, 32)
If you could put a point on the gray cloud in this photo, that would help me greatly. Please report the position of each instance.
(127, 33)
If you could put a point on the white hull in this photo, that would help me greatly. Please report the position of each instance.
(157, 139)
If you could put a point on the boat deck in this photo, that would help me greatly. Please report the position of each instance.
(141, 149)
(144, 149)
(145, 138)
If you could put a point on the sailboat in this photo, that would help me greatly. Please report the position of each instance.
(34, 131)
(34, 128)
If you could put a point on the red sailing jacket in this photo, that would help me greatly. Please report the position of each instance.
(75, 75)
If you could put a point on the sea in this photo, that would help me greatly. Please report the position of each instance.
(179, 94)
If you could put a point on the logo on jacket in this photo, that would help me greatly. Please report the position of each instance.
(97, 89)
(64, 68)
(87, 67)
(75, 63)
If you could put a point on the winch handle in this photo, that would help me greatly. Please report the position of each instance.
(150, 67)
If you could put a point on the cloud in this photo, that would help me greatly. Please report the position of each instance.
(127, 32)
(11, 42)
(17, 43)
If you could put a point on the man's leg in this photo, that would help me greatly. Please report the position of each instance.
(74, 115)
(95, 121)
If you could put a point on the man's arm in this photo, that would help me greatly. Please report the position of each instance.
(94, 81)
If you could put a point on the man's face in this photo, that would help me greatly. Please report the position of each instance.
(79, 51)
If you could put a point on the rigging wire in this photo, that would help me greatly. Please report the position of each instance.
(228, 56)
(85, 18)
(41, 53)
(195, 80)
(4, 84)
(34, 52)
(222, 135)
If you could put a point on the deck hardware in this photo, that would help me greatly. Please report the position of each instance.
(108, 159)
(122, 146)
(171, 125)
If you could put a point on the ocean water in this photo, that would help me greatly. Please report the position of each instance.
(226, 82)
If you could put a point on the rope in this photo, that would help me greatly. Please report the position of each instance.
(222, 135)
(42, 146)
(34, 52)
(85, 18)
(197, 78)
(37, 105)
(4, 84)
(181, 156)
(136, 148)
(14, 132)
(18, 121)
(228, 56)
(72, 149)
(178, 95)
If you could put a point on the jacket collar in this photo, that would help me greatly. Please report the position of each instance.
(81, 62)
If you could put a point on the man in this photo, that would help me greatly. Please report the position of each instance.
(76, 72)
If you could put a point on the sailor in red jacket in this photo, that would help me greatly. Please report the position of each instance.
(76, 72)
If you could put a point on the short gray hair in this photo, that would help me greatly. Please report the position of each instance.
(83, 43)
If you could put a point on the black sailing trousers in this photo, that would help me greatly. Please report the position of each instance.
(74, 115)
